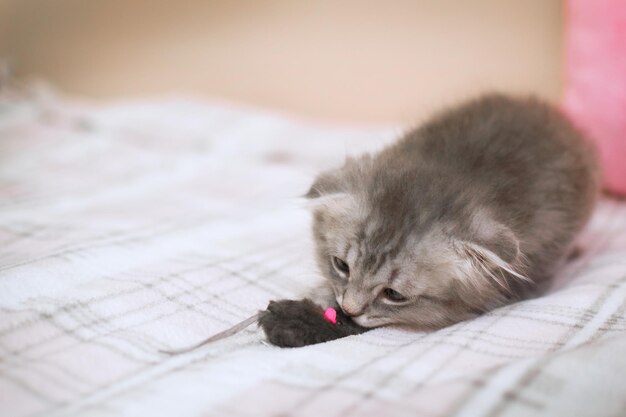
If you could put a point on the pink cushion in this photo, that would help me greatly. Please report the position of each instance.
(595, 94)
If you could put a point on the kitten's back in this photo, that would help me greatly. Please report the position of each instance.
(518, 159)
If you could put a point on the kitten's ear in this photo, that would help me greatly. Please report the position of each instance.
(495, 237)
(335, 204)
(341, 180)
(329, 192)
(329, 182)
(500, 240)
(492, 251)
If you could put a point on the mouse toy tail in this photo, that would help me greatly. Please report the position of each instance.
(218, 336)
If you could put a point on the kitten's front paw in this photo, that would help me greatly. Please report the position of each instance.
(291, 323)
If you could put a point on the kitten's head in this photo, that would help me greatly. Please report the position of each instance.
(392, 260)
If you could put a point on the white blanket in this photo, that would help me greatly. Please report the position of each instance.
(134, 227)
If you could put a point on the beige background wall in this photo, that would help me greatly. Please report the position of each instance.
(372, 61)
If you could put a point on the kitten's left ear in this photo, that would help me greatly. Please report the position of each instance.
(493, 249)
(495, 237)
(500, 240)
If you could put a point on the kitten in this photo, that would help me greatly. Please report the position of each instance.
(470, 211)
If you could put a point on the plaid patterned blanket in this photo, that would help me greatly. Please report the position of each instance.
(134, 227)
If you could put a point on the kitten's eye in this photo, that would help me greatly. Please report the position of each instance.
(340, 266)
(393, 295)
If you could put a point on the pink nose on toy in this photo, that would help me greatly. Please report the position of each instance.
(330, 315)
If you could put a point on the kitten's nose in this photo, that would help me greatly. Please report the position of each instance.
(353, 302)
(351, 310)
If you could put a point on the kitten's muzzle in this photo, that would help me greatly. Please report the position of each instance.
(352, 303)
(351, 309)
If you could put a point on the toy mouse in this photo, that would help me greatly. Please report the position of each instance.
(309, 322)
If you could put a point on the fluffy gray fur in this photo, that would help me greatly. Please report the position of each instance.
(472, 210)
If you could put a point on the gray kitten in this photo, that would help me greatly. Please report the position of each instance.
(470, 211)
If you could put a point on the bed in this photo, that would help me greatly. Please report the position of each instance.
(131, 227)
